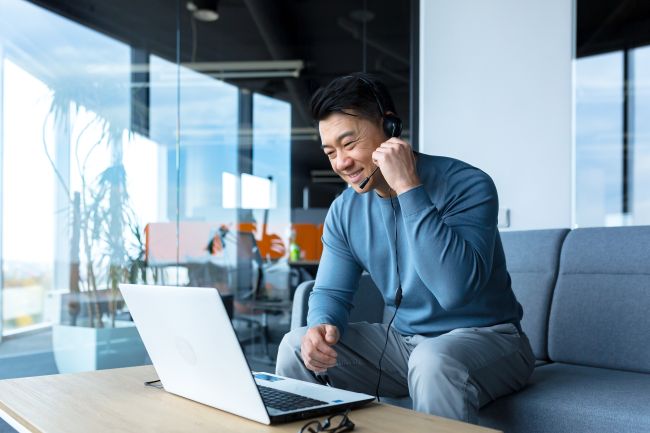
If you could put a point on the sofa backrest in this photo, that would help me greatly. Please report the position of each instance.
(600, 313)
(532, 258)
(368, 303)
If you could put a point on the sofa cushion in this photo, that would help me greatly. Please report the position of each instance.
(569, 398)
(601, 303)
(532, 258)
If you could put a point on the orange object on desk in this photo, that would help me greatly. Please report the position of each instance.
(194, 238)
(308, 238)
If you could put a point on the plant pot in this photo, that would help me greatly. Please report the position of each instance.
(79, 348)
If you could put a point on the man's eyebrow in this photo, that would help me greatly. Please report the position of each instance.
(344, 134)
(339, 138)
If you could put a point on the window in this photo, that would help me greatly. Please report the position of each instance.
(612, 145)
(28, 247)
(599, 100)
(640, 135)
(612, 74)
(175, 152)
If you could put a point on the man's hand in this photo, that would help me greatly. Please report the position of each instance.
(396, 161)
(316, 350)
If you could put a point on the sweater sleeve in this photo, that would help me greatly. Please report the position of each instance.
(455, 246)
(337, 279)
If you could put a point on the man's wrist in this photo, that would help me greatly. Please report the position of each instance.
(414, 200)
(407, 187)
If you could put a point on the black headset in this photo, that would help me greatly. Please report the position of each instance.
(391, 124)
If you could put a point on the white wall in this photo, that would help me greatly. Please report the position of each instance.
(496, 91)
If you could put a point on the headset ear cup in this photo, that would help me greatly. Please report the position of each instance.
(392, 126)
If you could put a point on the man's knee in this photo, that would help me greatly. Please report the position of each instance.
(438, 383)
(289, 352)
(293, 339)
(429, 368)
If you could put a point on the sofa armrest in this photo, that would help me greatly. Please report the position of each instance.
(368, 303)
(301, 304)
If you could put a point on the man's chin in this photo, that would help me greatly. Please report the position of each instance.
(360, 190)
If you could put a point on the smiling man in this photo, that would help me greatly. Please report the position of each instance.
(425, 229)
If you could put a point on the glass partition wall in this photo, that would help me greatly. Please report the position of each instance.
(156, 143)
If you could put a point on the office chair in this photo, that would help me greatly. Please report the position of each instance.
(253, 305)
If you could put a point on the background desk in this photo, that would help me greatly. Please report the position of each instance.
(117, 401)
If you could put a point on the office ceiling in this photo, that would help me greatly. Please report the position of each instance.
(328, 36)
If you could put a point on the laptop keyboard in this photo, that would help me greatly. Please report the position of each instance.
(286, 401)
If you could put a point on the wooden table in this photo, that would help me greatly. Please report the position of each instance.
(117, 401)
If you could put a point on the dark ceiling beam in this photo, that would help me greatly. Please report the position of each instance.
(357, 33)
(269, 21)
(619, 30)
(630, 35)
(606, 24)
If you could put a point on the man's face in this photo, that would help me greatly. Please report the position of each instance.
(349, 141)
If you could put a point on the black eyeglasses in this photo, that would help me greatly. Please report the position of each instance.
(338, 423)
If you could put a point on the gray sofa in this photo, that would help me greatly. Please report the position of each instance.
(586, 300)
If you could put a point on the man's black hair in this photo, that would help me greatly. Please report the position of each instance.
(352, 94)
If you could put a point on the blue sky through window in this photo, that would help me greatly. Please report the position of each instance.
(599, 126)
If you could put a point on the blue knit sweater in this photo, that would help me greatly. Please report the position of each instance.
(451, 262)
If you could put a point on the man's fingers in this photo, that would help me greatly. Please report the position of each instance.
(393, 145)
(396, 142)
(321, 358)
(317, 365)
(316, 348)
(317, 360)
(331, 334)
(390, 149)
(314, 368)
(319, 344)
(378, 157)
(321, 351)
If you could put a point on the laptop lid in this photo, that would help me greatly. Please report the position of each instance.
(194, 348)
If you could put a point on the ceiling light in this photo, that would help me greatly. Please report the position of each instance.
(249, 69)
(204, 10)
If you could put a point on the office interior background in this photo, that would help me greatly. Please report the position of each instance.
(170, 142)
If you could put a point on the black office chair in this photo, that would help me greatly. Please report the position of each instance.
(253, 304)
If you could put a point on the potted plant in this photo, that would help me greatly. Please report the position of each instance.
(106, 246)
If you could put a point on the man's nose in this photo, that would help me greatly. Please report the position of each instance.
(343, 161)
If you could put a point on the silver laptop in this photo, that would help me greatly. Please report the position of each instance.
(196, 354)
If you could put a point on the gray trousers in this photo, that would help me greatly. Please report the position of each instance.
(452, 375)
